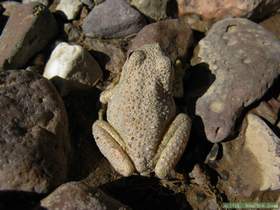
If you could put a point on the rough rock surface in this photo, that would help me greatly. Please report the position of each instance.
(73, 64)
(34, 133)
(272, 24)
(155, 9)
(174, 37)
(45, 2)
(200, 194)
(70, 8)
(110, 53)
(75, 195)
(113, 19)
(250, 163)
(245, 59)
(215, 10)
(35, 27)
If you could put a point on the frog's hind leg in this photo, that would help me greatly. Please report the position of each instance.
(112, 147)
(173, 145)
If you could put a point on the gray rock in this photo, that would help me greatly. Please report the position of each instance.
(249, 163)
(34, 138)
(44, 2)
(89, 3)
(113, 19)
(155, 9)
(35, 27)
(75, 195)
(245, 59)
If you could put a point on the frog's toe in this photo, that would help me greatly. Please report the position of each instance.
(109, 144)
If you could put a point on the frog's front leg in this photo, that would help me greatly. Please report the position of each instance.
(112, 147)
(173, 145)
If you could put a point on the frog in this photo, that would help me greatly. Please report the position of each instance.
(143, 133)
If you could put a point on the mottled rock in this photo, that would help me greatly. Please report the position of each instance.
(200, 194)
(34, 139)
(73, 64)
(70, 8)
(155, 9)
(112, 19)
(35, 27)
(174, 37)
(111, 54)
(75, 195)
(272, 24)
(249, 163)
(245, 59)
(215, 10)
(44, 2)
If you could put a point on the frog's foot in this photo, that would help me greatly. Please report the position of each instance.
(112, 147)
(173, 145)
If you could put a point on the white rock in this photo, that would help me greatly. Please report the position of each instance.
(70, 8)
(45, 2)
(73, 64)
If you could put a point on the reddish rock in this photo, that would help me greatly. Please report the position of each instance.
(34, 137)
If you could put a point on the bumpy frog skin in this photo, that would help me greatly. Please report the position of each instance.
(143, 133)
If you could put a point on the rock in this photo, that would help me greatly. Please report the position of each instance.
(113, 19)
(73, 64)
(89, 3)
(34, 139)
(155, 9)
(35, 27)
(174, 37)
(272, 24)
(245, 59)
(215, 10)
(250, 163)
(75, 195)
(110, 54)
(70, 8)
(200, 194)
(44, 2)
(9, 6)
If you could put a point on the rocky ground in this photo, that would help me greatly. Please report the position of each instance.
(219, 59)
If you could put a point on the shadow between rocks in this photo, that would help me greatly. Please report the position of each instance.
(140, 192)
(11, 200)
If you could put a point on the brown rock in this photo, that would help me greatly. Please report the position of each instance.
(250, 163)
(110, 54)
(174, 37)
(200, 194)
(272, 24)
(75, 195)
(34, 133)
(245, 59)
(34, 25)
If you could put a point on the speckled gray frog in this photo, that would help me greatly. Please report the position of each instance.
(143, 132)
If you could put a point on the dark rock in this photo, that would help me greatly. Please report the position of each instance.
(245, 59)
(112, 19)
(75, 195)
(35, 27)
(34, 133)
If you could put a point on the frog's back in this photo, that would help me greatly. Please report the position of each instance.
(142, 107)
